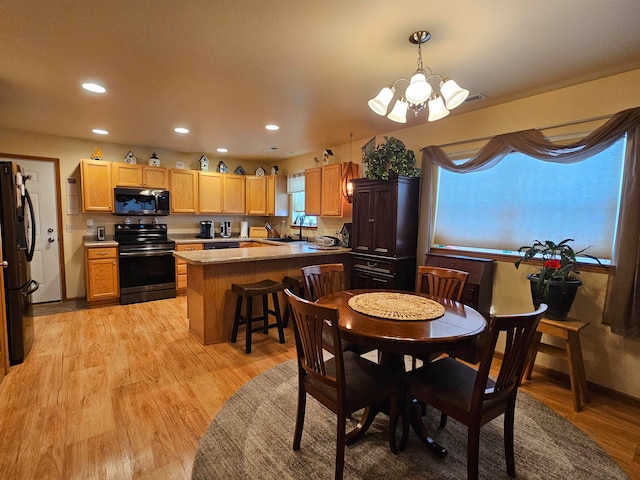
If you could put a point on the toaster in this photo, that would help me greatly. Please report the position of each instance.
(327, 241)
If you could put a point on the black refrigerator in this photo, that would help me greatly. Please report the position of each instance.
(17, 227)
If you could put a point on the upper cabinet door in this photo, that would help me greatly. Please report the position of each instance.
(312, 191)
(126, 174)
(234, 193)
(184, 190)
(256, 195)
(97, 192)
(331, 196)
(210, 192)
(155, 177)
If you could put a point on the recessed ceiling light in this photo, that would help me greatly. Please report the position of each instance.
(181, 130)
(272, 127)
(222, 150)
(94, 87)
(99, 131)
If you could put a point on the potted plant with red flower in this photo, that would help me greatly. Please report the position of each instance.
(557, 281)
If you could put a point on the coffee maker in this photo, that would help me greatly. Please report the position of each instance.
(206, 229)
(225, 229)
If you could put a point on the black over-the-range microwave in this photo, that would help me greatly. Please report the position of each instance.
(141, 201)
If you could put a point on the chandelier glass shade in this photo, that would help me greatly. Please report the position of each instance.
(424, 90)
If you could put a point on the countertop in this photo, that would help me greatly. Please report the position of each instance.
(274, 252)
(90, 241)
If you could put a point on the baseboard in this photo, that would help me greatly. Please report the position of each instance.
(593, 387)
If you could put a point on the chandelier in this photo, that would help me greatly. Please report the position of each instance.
(424, 89)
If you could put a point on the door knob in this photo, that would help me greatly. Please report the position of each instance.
(4, 264)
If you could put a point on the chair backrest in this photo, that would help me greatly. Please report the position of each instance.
(442, 282)
(309, 318)
(519, 332)
(323, 279)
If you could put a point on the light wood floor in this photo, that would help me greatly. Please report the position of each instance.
(125, 392)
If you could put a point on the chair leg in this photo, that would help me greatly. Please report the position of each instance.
(265, 314)
(509, 456)
(236, 320)
(473, 451)
(443, 420)
(276, 312)
(249, 323)
(302, 404)
(340, 446)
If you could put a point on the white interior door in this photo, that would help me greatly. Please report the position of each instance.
(45, 266)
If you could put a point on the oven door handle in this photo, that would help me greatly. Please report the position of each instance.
(146, 254)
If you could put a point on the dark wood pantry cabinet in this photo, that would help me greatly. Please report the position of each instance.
(385, 230)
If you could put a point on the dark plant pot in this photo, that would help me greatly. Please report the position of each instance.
(559, 298)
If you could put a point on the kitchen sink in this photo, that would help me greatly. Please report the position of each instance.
(285, 240)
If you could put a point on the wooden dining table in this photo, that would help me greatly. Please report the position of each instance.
(457, 327)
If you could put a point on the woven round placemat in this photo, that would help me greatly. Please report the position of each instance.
(396, 306)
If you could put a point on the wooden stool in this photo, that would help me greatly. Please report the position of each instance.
(248, 291)
(295, 285)
(569, 331)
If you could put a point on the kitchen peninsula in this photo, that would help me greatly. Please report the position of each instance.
(210, 302)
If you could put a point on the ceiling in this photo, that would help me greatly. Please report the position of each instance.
(226, 68)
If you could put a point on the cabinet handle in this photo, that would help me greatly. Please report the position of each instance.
(372, 264)
(371, 220)
(102, 253)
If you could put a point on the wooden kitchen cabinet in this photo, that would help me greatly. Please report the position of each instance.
(277, 200)
(385, 231)
(267, 195)
(323, 191)
(96, 186)
(233, 193)
(184, 190)
(181, 265)
(256, 195)
(103, 284)
(128, 175)
(210, 192)
(313, 191)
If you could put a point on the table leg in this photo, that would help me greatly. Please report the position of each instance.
(365, 422)
(421, 431)
(577, 376)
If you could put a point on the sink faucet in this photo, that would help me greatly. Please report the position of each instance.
(301, 219)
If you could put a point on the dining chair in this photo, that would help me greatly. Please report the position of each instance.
(344, 383)
(441, 282)
(321, 280)
(469, 395)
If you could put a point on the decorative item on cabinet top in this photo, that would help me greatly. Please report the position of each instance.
(204, 163)
(274, 170)
(97, 154)
(325, 156)
(130, 158)
(222, 168)
(239, 170)
(154, 161)
(260, 171)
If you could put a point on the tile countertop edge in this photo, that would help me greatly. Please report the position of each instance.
(236, 255)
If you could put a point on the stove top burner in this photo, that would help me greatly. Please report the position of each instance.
(131, 237)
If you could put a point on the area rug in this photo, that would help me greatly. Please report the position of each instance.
(252, 434)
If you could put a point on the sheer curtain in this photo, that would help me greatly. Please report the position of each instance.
(622, 308)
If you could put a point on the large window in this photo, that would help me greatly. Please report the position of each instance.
(522, 199)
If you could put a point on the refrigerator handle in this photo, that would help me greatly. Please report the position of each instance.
(30, 287)
(4, 264)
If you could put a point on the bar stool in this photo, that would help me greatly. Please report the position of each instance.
(248, 291)
(295, 285)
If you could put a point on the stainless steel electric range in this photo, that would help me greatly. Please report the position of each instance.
(146, 263)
